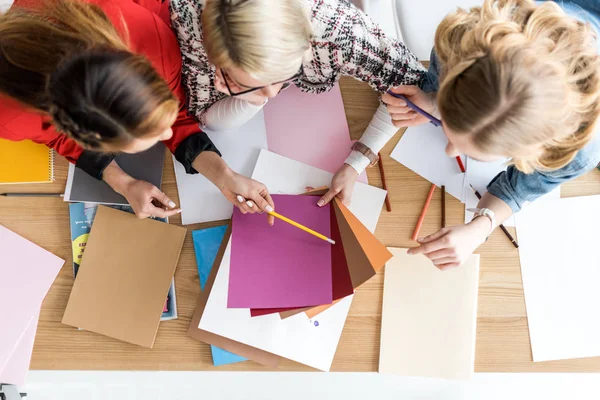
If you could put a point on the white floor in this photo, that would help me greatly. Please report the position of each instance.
(79, 385)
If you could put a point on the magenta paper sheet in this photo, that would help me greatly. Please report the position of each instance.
(281, 265)
(309, 128)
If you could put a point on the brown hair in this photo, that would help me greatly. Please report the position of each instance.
(67, 59)
(521, 79)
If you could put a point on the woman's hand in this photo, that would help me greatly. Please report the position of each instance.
(248, 195)
(342, 186)
(450, 247)
(147, 200)
(402, 115)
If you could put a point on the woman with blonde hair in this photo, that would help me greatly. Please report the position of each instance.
(91, 79)
(239, 53)
(517, 80)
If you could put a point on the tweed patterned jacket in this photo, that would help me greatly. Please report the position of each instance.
(345, 42)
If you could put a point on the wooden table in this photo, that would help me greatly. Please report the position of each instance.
(502, 335)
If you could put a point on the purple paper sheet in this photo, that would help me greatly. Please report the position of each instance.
(281, 265)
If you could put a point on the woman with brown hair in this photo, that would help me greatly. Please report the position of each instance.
(91, 79)
(511, 79)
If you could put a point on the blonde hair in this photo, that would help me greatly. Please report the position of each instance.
(521, 79)
(265, 38)
(66, 58)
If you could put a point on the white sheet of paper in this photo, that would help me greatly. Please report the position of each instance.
(286, 176)
(480, 174)
(312, 342)
(560, 265)
(429, 317)
(200, 200)
(422, 150)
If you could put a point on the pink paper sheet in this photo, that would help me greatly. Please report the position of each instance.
(26, 273)
(15, 371)
(309, 128)
(281, 265)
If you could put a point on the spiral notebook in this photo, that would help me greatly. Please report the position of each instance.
(25, 162)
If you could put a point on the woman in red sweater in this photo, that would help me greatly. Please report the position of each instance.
(94, 79)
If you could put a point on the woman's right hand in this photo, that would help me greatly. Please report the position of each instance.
(147, 200)
(402, 115)
(248, 195)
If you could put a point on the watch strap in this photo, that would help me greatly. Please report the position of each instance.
(367, 152)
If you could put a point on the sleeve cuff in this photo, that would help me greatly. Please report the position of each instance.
(496, 189)
(190, 147)
(94, 163)
(358, 161)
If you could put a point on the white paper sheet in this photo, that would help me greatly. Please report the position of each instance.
(285, 176)
(312, 342)
(560, 265)
(422, 150)
(479, 174)
(200, 200)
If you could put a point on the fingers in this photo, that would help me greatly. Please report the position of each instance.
(327, 197)
(242, 204)
(436, 242)
(157, 194)
(407, 90)
(444, 267)
(150, 210)
(434, 236)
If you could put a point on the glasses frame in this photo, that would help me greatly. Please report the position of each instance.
(288, 81)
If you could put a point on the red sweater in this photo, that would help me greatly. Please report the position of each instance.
(151, 36)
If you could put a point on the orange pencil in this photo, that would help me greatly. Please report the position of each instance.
(422, 217)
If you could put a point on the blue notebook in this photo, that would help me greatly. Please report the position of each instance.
(206, 245)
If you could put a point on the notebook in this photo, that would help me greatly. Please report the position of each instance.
(147, 166)
(128, 266)
(25, 162)
(428, 319)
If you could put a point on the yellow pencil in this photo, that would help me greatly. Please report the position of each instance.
(304, 228)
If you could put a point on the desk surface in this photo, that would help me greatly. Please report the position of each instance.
(502, 335)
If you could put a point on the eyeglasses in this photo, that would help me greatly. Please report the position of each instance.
(285, 82)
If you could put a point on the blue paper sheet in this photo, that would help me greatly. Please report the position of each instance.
(206, 245)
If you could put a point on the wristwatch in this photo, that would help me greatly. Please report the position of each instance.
(485, 212)
(367, 152)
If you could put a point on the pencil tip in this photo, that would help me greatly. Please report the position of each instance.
(331, 241)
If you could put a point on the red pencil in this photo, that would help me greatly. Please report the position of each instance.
(387, 195)
(423, 212)
(460, 164)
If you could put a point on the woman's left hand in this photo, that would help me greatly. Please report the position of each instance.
(342, 186)
(450, 247)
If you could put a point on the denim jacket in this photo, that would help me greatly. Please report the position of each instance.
(512, 186)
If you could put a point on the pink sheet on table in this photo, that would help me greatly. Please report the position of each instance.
(26, 273)
(309, 128)
(17, 367)
(281, 265)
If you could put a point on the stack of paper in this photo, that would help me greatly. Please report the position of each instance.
(281, 267)
(26, 274)
(128, 265)
(428, 318)
(560, 265)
